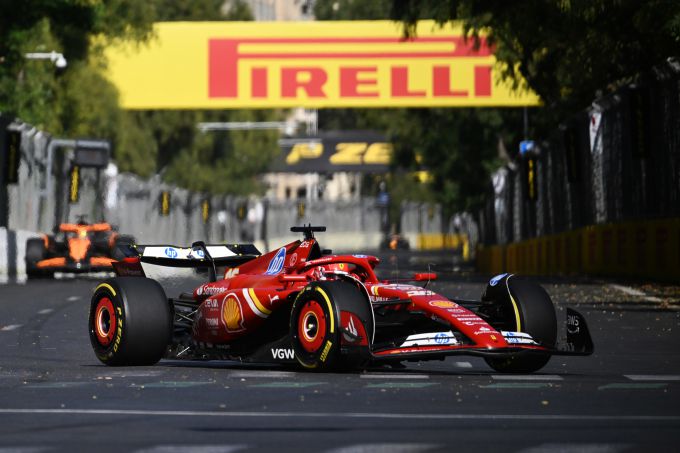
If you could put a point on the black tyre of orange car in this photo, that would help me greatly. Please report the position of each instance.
(35, 252)
(130, 321)
(314, 327)
(101, 242)
(519, 305)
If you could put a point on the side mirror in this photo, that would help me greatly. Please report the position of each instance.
(425, 277)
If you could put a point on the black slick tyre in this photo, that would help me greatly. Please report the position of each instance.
(314, 327)
(515, 304)
(130, 321)
(357, 322)
(35, 252)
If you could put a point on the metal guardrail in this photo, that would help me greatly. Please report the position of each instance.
(615, 162)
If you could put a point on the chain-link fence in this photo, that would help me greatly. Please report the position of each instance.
(617, 161)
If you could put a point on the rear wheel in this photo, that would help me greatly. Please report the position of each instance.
(514, 304)
(130, 321)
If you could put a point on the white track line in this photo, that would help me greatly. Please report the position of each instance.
(350, 415)
(652, 377)
(192, 448)
(394, 376)
(527, 377)
(635, 292)
(263, 374)
(10, 327)
(24, 449)
(45, 311)
(385, 448)
(574, 448)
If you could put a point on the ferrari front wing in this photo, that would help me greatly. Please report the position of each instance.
(578, 343)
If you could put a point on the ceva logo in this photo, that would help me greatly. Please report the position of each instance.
(276, 264)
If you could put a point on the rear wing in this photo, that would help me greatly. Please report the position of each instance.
(196, 256)
(199, 255)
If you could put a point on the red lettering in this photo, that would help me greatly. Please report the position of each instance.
(441, 83)
(482, 81)
(400, 86)
(350, 82)
(258, 81)
(313, 87)
(222, 69)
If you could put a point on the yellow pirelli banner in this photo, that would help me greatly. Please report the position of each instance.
(198, 65)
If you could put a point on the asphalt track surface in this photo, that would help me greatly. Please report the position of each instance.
(56, 396)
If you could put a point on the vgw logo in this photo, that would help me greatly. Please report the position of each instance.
(281, 354)
(276, 264)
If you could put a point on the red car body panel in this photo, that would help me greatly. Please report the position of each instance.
(239, 304)
(299, 304)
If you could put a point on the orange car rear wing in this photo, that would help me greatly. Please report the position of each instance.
(76, 227)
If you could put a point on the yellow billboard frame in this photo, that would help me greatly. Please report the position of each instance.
(222, 65)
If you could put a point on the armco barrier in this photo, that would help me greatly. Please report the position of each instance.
(12, 253)
(439, 241)
(644, 249)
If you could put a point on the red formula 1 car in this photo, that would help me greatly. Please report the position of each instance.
(76, 247)
(300, 305)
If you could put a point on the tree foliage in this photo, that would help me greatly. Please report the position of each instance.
(457, 146)
(217, 162)
(32, 89)
(79, 101)
(567, 50)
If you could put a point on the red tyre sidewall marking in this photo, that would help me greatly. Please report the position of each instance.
(311, 310)
(105, 306)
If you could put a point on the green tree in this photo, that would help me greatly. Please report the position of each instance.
(458, 146)
(567, 50)
(32, 90)
(80, 101)
(351, 9)
(217, 162)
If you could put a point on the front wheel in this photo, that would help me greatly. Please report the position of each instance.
(130, 321)
(513, 304)
(332, 326)
(35, 252)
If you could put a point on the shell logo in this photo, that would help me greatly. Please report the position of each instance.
(232, 313)
(443, 304)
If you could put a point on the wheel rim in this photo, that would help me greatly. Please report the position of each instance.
(311, 326)
(105, 321)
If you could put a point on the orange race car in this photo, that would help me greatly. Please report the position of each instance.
(75, 247)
